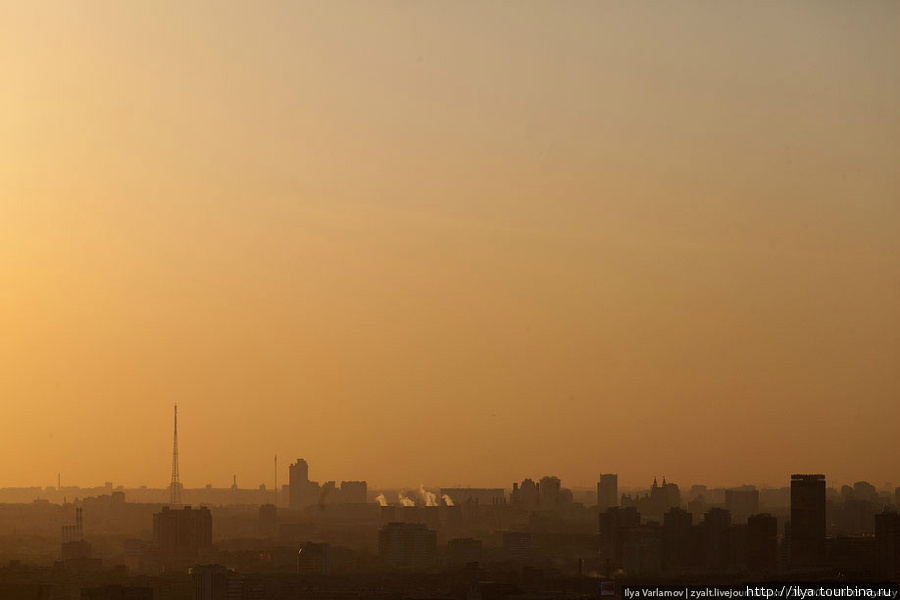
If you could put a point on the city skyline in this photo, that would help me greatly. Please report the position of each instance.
(450, 243)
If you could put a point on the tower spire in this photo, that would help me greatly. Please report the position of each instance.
(175, 489)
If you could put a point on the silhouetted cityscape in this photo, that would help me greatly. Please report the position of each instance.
(450, 300)
(315, 540)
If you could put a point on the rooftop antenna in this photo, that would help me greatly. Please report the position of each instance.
(276, 480)
(175, 491)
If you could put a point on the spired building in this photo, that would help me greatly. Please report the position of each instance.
(807, 519)
(660, 499)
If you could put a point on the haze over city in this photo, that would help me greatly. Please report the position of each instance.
(450, 243)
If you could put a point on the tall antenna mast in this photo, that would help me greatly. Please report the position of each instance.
(175, 490)
(276, 481)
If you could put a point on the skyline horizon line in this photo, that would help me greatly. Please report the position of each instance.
(886, 485)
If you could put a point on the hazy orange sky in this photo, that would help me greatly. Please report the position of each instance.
(450, 242)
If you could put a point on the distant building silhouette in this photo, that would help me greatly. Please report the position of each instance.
(715, 539)
(548, 494)
(480, 496)
(762, 542)
(312, 559)
(302, 492)
(180, 534)
(642, 550)
(517, 546)
(615, 523)
(655, 504)
(407, 545)
(887, 544)
(215, 582)
(354, 492)
(679, 540)
(807, 530)
(608, 491)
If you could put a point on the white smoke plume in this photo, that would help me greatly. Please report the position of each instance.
(404, 501)
(427, 497)
(447, 500)
(381, 500)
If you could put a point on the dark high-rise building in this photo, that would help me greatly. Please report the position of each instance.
(517, 546)
(549, 491)
(678, 540)
(482, 496)
(662, 498)
(715, 539)
(762, 542)
(354, 492)
(215, 582)
(642, 551)
(615, 523)
(298, 478)
(887, 545)
(807, 519)
(607, 491)
(410, 545)
(182, 533)
(313, 559)
(302, 491)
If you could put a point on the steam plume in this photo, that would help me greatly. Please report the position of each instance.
(427, 497)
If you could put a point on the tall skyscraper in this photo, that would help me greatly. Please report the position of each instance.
(762, 542)
(678, 539)
(608, 491)
(807, 519)
(181, 534)
(615, 524)
(299, 485)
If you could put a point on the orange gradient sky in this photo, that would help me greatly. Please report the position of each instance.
(450, 242)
